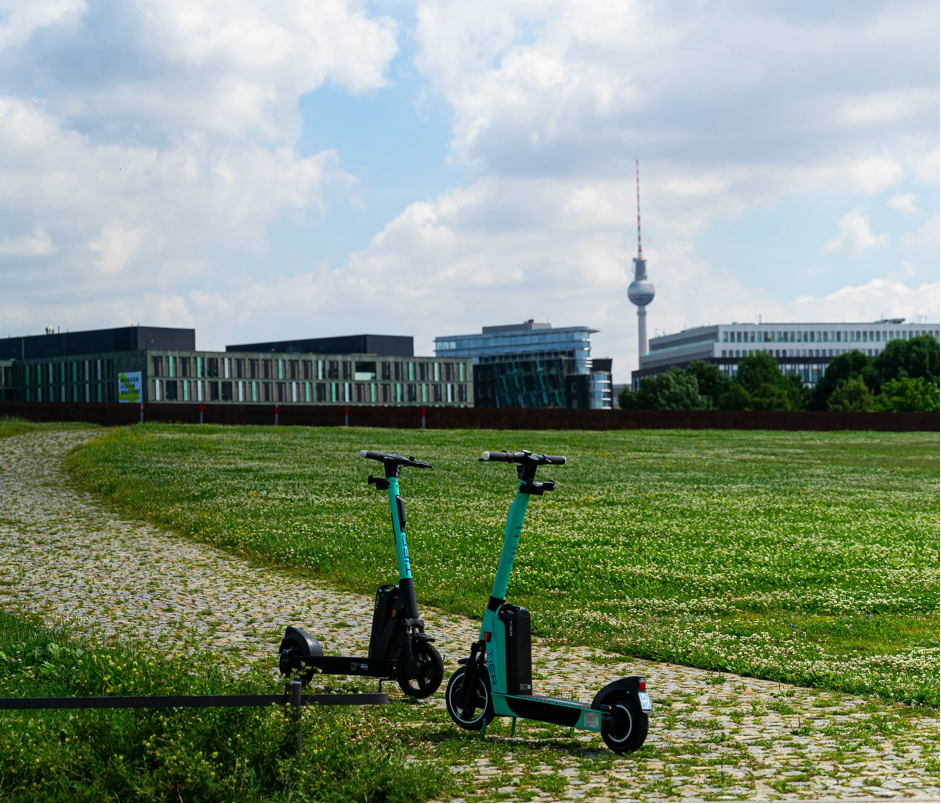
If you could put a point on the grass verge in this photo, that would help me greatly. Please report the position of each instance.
(10, 426)
(810, 558)
(181, 754)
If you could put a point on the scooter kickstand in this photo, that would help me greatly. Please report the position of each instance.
(513, 730)
(483, 731)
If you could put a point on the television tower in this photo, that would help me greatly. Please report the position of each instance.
(640, 291)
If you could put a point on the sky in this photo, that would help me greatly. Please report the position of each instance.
(264, 170)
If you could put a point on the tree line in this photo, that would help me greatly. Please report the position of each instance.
(903, 377)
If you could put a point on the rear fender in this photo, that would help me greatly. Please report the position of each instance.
(629, 684)
(299, 643)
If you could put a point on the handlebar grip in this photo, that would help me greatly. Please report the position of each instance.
(374, 456)
(558, 460)
(504, 457)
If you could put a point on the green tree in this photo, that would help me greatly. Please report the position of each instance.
(672, 390)
(736, 398)
(842, 368)
(918, 357)
(712, 382)
(852, 394)
(908, 394)
(767, 388)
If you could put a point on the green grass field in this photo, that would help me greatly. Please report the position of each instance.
(803, 557)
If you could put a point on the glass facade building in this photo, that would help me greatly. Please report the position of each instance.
(532, 365)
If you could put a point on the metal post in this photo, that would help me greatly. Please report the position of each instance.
(275, 415)
(346, 416)
(296, 690)
(141, 412)
(200, 412)
(422, 418)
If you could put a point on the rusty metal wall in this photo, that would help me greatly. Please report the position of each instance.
(115, 414)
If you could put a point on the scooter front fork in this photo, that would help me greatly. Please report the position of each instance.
(414, 632)
(473, 666)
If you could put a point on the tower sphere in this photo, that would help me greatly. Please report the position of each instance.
(641, 292)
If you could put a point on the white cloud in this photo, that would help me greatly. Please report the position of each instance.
(855, 235)
(19, 19)
(879, 298)
(117, 247)
(38, 244)
(906, 203)
(928, 234)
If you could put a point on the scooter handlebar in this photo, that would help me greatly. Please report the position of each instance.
(520, 457)
(394, 457)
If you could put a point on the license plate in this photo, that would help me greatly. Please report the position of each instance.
(644, 701)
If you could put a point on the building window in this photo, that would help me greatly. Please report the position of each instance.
(280, 369)
(333, 371)
(227, 392)
(156, 366)
(347, 370)
(321, 391)
(308, 370)
(462, 393)
(171, 387)
(365, 371)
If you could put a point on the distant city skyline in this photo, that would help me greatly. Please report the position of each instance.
(279, 171)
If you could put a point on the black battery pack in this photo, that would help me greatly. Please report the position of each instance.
(519, 649)
(387, 601)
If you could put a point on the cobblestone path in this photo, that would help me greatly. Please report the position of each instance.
(714, 736)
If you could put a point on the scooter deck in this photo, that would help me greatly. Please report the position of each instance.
(351, 666)
(547, 710)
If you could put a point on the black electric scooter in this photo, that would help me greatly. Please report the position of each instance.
(399, 648)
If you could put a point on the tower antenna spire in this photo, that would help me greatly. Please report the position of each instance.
(640, 248)
(641, 290)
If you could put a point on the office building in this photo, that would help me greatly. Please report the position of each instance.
(802, 348)
(532, 365)
(157, 365)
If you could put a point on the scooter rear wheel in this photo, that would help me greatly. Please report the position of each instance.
(430, 671)
(630, 723)
(470, 717)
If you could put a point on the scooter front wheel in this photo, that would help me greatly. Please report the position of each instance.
(630, 723)
(430, 671)
(471, 716)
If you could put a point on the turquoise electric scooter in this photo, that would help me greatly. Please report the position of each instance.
(497, 679)
(399, 648)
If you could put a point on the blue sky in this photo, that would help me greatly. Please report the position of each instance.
(318, 168)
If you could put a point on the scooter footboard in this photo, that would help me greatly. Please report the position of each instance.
(350, 666)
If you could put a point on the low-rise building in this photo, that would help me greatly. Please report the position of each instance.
(157, 365)
(802, 348)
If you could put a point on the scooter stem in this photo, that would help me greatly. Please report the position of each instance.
(401, 546)
(511, 538)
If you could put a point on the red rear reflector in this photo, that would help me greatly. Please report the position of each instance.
(394, 612)
(486, 636)
(642, 686)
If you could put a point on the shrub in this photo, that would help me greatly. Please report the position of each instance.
(908, 394)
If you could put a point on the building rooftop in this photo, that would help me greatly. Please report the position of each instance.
(96, 341)
(383, 345)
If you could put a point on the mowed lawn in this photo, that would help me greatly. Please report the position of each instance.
(806, 557)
